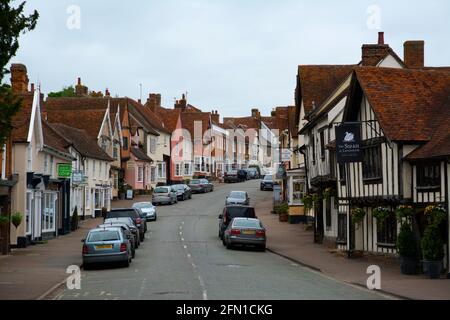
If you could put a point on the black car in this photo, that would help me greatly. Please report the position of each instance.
(129, 222)
(234, 211)
(231, 176)
(183, 191)
(267, 183)
(133, 214)
(201, 186)
(242, 175)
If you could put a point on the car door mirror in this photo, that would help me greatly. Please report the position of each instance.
(220, 216)
(83, 240)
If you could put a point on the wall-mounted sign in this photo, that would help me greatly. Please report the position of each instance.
(64, 170)
(77, 177)
(348, 143)
(286, 155)
(130, 194)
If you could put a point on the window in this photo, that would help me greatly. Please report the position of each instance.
(298, 191)
(198, 161)
(313, 141)
(30, 157)
(342, 176)
(342, 228)
(140, 174)
(372, 163)
(125, 143)
(322, 145)
(178, 169)
(28, 212)
(153, 174)
(115, 152)
(152, 145)
(387, 233)
(52, 161)
(93, 168)
(429, 176)
(116, 180)
(187, 169)
(106, 171)
(207, 164)
(86, 166)
(48, 216)
(203, 164)
(162, 170)
(45, 164)
(104, 143)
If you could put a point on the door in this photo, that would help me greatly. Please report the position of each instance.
(36, 221)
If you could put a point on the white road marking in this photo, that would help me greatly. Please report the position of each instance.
(181, 233)
(185, 246)
(189, 255)
(182, 239)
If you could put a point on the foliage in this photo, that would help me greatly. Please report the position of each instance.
(74, 221)
(9, 106)
(283, 208)
(104, 212)
(307, 201)
(406, 242)
(315, 199)
(12, 23)
(358, 215)
(432, 244)
(3, 220)
(381, 214)
(66, 92)
(16, 219)
(328, 193)
(404, 212)
(436, 214)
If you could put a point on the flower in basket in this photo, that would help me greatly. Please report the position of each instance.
(358, 215)
(307, 201)
(381, 214)
(315, 198)
(404, 211)
(328, 193)
(435, 214)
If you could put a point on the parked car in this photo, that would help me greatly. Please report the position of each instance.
(234, 211)
(237, 197)
(148, 209)
(106, 245)
(201, 186)
(164, 195)
(183, 191)
(252, 173)
(242, 175)
(130, 213)
(127, 231)
(231, 176)
(267, 183)
(245, 231)
(130, 223)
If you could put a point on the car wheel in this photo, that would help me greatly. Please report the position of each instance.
(262, 248)
(224, 242)
(228, 245)
(126, 264)
(86, 266)
(142, 238)
(133, 253)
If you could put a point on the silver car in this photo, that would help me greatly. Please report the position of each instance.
(106, 245)
(238, 197)
(148, 209)
(245, 231)
(164, 194)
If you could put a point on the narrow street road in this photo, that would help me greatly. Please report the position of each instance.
(182, 258)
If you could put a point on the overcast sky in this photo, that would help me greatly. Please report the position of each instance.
(228, 55)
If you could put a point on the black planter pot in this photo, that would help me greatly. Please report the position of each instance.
(432, 269)
(408, 266)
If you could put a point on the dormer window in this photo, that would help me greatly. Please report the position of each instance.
(429, 176)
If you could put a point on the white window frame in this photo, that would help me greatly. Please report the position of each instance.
(189, 168)
(49, 210)
(197, 164)
(52, 160)
(140, 174)
(161, 169)
(153, 174)
(178, 172)
(45, 170)
(28, 211)
(93, 168)
(152, 145)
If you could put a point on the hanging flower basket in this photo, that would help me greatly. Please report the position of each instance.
(307, 202)
(358, 215)
(328, 193)
(404, 212)
(381, 214)
(435, 214)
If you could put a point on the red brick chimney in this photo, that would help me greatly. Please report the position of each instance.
(154, 101)
(19, 78)
(372, 54)
(107, 94)
(215, 117)
(181, 104)
(81, 90)
(414, 54)
(32, 88)
(256, 113)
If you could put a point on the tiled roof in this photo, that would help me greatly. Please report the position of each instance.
(410, 105)
(140, 154)
(81, 141)
(188, 121)
(53, 139)
(243, 122)
(315, 83)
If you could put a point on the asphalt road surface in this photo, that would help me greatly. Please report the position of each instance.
(182, 258)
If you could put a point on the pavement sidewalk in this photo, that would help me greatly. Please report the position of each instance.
(30, 272)
(295, 243)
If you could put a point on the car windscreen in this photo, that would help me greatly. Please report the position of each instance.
(162, 190)
(234, 212)
(143, 205)
(195, 182)
(179, 187)
(122, 214)
(237, 195)
(268, 178)
(107, 235)
(125, 220)
(244, 223)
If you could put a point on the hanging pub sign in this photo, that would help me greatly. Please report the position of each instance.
(348, 143)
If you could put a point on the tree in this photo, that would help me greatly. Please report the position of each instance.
(65, 92)
(12, 23)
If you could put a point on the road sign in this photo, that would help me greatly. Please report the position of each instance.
(286, 155)
(348, 143)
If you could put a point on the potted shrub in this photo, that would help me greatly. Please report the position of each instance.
(407, 249)
(16, 219)
(283, 211)
(74, 220)
(357, 215)
(307, 201)
(381, 214)
(433, 251)
(3, 221)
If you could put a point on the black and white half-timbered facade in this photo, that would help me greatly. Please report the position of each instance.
(405, 130)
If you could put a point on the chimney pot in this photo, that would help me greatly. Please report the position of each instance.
(32, 87)
(381, 38)
(79, 81)
(414, 54)
(139, 100)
